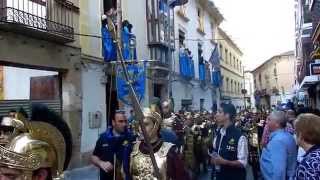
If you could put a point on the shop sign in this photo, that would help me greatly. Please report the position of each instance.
(315, 69)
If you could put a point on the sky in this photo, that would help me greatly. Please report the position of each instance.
(261, 28)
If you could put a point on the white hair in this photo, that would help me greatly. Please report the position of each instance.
(279, 117)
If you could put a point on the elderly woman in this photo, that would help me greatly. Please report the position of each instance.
(308, 137)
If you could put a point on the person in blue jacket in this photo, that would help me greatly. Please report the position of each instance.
(113, 148)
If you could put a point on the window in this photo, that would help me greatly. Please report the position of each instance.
(107, 5)
(201, 104)
(238, 64)
(230, 60)
(157, 88)
(231, 87)
(236, 88)
(275, 70)
(226, 55)
(201, 65)
(27, 9)
(227, 87)
(200, 53)
(221, 51)
(234, 62)
(200, 20)
(182, 37)
(260, 80)
(212, 31)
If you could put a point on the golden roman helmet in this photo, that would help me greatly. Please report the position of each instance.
(154, 116)
(16, 127)
(11, 122)
(47, 144)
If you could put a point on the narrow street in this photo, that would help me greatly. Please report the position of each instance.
(169, 86)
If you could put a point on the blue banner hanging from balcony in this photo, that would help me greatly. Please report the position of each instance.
(128, 43)
(137, 76)
(186, 64)
(109, 50)
(202, 72)
(163, 7)
(192, 68)
(216, 78)
(183, 62)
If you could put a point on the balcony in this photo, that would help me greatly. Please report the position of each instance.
(42, 19)
(160, 70)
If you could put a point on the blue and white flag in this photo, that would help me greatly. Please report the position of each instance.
(202, 72)
(216, 79)
(109, 49)
(215, 58)
(215, 61)
(137, 77)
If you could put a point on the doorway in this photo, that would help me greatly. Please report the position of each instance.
(22, 86)
(111, 99)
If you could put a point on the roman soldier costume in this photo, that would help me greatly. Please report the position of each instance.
(46, 145)
(166, 154)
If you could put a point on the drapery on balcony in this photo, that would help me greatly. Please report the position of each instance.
(44, 19)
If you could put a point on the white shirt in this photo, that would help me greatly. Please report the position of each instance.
(243, 151)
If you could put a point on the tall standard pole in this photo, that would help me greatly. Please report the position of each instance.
(244, 87)
(218, 97)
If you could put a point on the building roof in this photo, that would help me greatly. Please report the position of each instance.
(228, 38)
(213, 10)
(288, 53)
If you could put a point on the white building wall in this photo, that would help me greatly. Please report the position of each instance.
(197, 94)
(17, 81)
(181, 91)
(90, 23)
(93, 101)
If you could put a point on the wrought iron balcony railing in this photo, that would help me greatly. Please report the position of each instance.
(45, 19)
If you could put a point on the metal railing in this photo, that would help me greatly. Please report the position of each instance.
(51, 16)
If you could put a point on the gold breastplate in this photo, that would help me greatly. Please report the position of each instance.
(141, 166)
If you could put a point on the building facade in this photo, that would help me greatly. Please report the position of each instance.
(307, 69)
(274, 80)
(249, 87)
(304, 47)
(232, 70)
(196, 25)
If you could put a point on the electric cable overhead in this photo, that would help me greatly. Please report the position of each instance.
(176, 39)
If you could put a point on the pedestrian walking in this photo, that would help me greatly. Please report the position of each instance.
(308, 137)
(278, 159)
(230, 146)
(113, 148)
